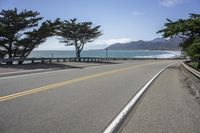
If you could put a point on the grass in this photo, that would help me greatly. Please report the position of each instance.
(194, 64)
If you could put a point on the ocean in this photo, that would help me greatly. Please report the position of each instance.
(110, 53)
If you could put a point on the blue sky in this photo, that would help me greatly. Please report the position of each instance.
(121, 20)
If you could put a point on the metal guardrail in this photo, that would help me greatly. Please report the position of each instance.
(192, 70)
(82, 59)
(42, 60)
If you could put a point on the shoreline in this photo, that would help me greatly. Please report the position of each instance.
(110, 53)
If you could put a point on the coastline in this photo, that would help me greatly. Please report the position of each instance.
(110, 53)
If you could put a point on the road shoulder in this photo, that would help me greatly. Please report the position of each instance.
(166, 107)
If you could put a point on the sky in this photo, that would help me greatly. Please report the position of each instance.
(121, 20)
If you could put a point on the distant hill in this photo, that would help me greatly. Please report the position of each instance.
(156, 44)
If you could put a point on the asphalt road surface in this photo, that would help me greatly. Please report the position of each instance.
(73, 100)
(167, 107)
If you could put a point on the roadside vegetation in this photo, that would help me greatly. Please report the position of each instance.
(194, 64)
(21, 32)
(189, 31)
(78, 34)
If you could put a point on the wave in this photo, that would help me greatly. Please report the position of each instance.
(167, 54)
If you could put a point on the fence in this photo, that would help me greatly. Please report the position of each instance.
(82, 59)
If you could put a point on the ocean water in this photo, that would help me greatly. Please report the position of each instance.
(110, 53)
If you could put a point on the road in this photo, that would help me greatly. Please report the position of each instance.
(167, 107)
(72, 100)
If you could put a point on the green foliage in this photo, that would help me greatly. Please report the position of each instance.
(194, 64)
(188, 30)
(20, 32)
(78, 34)
(194, 49)
(184, 28)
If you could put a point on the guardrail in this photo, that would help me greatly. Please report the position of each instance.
(192, 70)
(82, 59)
(42, 60)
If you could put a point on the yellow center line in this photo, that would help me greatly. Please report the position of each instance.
(56, 85)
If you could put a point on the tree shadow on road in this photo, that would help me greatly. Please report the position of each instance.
(66, 65)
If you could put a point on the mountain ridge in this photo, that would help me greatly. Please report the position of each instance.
(155, 44)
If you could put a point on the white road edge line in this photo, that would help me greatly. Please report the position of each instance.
(16, 72)
(118, 119)
(24, 75)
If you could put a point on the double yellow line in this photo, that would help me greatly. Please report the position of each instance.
(56, 85)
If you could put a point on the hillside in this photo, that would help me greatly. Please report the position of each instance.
(156, 44)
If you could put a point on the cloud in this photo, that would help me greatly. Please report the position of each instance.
(136, 13)
(52, 43)
(113, 41)
(170, 3)
(101, 44)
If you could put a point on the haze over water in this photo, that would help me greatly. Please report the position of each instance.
(110, 53)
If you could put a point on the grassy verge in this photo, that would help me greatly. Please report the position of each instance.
(194, 65)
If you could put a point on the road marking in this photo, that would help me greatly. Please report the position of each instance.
(24, 75)
(43, 72)
(56, 85)
(114, 125)
(22, 71)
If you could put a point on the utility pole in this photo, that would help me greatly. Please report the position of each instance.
(52, 55)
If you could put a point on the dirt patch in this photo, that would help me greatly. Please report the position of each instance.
(190, 82)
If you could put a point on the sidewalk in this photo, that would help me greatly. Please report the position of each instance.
(167, 107)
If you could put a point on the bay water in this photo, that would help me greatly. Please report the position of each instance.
(104, 53)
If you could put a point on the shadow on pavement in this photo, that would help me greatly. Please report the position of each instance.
(79, 65)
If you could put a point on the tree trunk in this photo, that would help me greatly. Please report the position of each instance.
(24, 55)
(10, 54)
(78, 55)
(78, 51)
